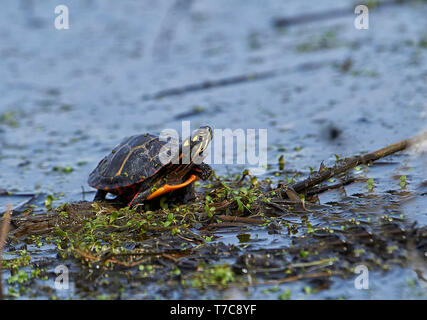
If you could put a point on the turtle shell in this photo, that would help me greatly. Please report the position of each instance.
(134, 160)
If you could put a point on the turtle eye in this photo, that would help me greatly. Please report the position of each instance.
(198, 139)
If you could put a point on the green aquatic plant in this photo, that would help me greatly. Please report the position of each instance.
(286, 295)
(370, 185)
(402, 182)
(213, 275)
(66, 169)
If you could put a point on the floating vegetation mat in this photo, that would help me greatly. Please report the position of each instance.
(178, 250)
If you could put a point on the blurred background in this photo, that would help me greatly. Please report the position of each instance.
(299, 69)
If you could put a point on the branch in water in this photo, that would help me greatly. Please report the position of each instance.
(349, 163)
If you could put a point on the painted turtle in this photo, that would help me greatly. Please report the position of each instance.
(136, 171)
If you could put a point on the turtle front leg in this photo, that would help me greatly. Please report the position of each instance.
(202, 170)
(139, 197)
(100, 195)
(183, 195)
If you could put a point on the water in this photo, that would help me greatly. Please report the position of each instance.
(67, 97)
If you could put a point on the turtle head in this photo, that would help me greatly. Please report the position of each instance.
(199, 141)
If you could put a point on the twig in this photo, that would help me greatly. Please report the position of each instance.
(223, 225)
(300, 277)
(31, 196)
(240, 219)
(4, 192)
(326, 274)
(349, 163)
(195, 235)
(109, 259)
(328, 261)
(283, 210)
(3, 236)
(317, 263)
(331, 187)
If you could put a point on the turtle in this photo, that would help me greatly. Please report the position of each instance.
(136, 170)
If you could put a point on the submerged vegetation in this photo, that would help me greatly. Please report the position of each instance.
(293, 234)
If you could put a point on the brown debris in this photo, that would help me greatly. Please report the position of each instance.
(3, 237)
